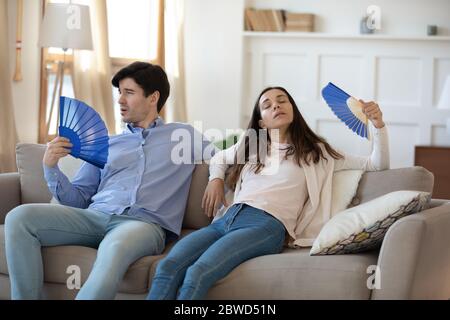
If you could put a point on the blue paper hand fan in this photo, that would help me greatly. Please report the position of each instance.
(347, 109)
(85, 129)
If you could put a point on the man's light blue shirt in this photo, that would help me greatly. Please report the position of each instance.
(140, 177)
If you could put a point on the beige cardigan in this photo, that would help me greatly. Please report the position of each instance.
(317, 210)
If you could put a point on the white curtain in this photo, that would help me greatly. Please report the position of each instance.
(174, 60)
(92, 69)
(8, 133)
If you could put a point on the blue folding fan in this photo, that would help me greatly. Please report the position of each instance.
(85, 129)
(347, 109)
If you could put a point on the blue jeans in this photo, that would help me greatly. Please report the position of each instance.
(120, 239)
(205, 256)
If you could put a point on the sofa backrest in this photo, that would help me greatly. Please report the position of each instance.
(34, 188)
(376, 184)
(372, 184)
(194, 217)
(29, 164)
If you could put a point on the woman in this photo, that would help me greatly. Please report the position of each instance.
(282, 194)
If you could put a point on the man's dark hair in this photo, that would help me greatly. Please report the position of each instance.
(149, 77)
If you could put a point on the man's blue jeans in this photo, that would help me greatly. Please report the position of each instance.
(120, 239)
(205, 256)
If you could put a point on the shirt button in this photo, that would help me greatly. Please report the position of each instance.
(141, 156)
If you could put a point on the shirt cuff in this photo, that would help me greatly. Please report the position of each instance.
(51, 175)
(379, 131)
(215, 173)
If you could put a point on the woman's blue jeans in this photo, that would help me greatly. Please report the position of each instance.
(205, 256)
(120, 239)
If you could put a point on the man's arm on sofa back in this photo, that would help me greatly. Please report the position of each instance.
(414, 259)
(9, 193)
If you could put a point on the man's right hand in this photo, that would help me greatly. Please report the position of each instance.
(214, 196)
(56, 149)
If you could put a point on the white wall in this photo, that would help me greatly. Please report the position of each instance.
(404, 75)
(26, 92)
(213, 46)
(213, 61)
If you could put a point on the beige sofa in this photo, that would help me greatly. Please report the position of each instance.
(414, 259)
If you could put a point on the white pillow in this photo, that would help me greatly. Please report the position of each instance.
(363, 227)
(344, 186)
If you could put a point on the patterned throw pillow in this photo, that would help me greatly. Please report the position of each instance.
(363, 227)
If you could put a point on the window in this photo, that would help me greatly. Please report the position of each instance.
(135, 32)
(131, 26)
(132, 35)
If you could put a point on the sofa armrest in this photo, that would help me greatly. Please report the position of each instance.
(414, 260)
(437, 202)
(9, 193)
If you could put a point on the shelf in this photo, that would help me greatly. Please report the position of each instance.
(319, 35)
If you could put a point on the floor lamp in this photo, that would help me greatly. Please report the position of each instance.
(65, 26)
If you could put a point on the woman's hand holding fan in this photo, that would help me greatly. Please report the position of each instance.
(373, 113)
(354, 113)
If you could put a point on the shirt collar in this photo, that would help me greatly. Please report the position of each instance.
(158, 122)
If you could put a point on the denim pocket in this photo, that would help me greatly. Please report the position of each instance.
(232, 212)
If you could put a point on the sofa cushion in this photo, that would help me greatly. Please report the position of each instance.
(363, 227)
(194, 217)
(3, 266)
(374, 184)
(57, 259)
(275, 276)
(294, 274)
(29, 164)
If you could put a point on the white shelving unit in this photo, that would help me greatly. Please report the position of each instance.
(320, 35)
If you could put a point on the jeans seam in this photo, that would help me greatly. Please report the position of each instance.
(71, 232)
(239, 209)
(178, 269)
(234, 254)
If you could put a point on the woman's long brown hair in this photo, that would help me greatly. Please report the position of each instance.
(305, 143)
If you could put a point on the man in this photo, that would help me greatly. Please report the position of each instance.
(128, 210)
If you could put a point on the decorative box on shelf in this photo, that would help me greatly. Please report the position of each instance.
(300, 22)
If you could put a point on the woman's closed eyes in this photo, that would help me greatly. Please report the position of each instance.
(268, 105)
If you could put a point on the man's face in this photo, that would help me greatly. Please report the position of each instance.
(135, 108)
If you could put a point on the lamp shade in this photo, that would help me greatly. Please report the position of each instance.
(66, 26)
(444, 101)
